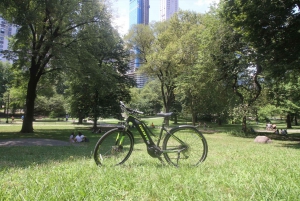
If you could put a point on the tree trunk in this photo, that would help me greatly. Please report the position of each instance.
(244, 124)
(292, 117)
(175, 118)
(80, 120)
(219, 121)
(27, 126)
(194, 117)
(296, 121)
(288, 121)
(96, 111)
(95, 123)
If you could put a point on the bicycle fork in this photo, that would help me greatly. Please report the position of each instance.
(119, 141)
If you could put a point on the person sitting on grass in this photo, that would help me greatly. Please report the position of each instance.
(72, 137)
(152, 125)
(81, 138)
(269, 126)
(283, 132)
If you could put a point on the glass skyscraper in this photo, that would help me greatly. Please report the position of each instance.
(6, 30)
(167, 9)
(138, 14)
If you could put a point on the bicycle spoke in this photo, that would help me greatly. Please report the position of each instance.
(113, 148)
(185, 146)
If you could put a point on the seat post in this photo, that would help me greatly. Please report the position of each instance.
(164, 122)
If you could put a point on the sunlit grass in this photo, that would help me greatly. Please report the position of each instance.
(236, 168)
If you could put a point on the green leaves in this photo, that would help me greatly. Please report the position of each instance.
(271, 27)
(70, 36)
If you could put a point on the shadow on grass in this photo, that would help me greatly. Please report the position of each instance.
(292, 145)
(291, 138)
(26, 156)
(294, 138)
(57, 134)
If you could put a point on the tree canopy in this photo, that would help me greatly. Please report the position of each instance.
(271, 27)
(49, 38)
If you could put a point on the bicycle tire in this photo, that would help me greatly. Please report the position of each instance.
(192, 143)
(113, 148)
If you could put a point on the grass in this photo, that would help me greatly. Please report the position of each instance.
(236, 169)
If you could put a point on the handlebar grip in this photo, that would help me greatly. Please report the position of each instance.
(139, 112)
(130, 110)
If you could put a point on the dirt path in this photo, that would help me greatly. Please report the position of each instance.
(34, 142)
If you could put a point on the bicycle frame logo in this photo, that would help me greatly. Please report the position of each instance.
(142, 130)
(144, 133)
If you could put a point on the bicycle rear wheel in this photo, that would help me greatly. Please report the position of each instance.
(114, 147)
(185, 146)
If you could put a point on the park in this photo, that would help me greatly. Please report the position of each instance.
(231, 73)
(236, 168)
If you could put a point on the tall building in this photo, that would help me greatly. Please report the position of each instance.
(138, 14)
(167, 9)
(6, 30)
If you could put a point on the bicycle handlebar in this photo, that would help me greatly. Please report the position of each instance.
(132, 111)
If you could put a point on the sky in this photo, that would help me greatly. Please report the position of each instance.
(120, 10)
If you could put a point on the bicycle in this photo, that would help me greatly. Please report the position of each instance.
(182, 145)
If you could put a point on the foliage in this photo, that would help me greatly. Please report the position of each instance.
(271, 27)
(166, 49)
(268, 111)
(48, 38)
(199, 88)
(6, 77)
(147, 99)
(99, 87)
(50, 105)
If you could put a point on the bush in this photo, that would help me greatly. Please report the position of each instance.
(237, 133)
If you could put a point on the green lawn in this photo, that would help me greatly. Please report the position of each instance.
(236, 169)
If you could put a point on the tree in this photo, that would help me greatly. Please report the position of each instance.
(48, 32)
(6, 77)
(147, 99)
(236, 65)
(271, 27)
(100, 85)
(164, 50)
(198, 88)
(284, 93)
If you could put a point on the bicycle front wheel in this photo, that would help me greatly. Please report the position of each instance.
(114, 147)
(185, 146)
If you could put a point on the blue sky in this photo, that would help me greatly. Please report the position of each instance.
(120, 10)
